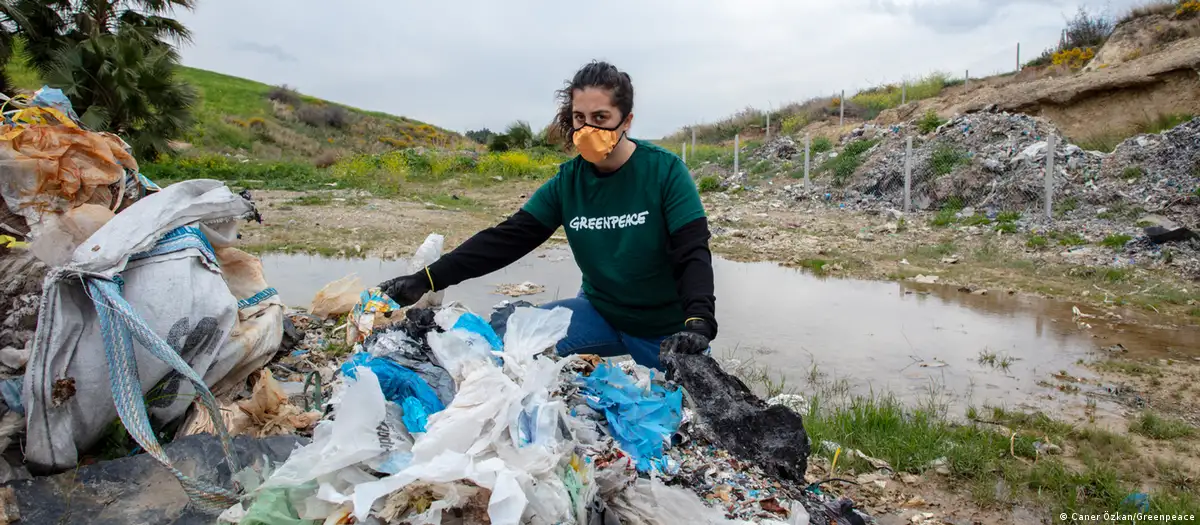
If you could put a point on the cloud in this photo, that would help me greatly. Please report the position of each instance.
(272, 51)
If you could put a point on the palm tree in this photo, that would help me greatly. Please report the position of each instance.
(115, 60)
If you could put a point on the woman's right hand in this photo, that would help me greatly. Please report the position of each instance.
(408, 289)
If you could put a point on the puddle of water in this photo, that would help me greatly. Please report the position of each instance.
(895, 337)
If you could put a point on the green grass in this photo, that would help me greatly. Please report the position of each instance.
(1008, 216)
(235, 115)
(310, 200)
(1068, 238)
(709, 183)
(1116, 241)
(816, 265)
(945, 158)
(1037, 242)
(878, 99)
(843, 166)
(820, 145)
(1133, 172)
(1157, 427)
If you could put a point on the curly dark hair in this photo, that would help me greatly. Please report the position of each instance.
(595, 74)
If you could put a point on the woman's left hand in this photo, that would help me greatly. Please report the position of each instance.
(690, 341)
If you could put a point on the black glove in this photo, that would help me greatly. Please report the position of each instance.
(408, 289)
(694, 339)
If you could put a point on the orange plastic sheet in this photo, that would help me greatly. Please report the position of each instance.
(56, 167)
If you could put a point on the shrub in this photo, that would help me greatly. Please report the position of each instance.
(1087, 30)
(1037, 242)
(930, 122)
(481, 136)
(401, 143)
(1074, 58)
(793, 124)
(1188, 9)
(821, 145)
(1008, 216)
(276, 175)
(708, 183)
(284, 95)
(321, 116)
(1133, 172)
(1156, 7)
(325, 160)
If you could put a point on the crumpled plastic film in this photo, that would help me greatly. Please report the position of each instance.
(640, 419)
(56, 168)
(399, 385)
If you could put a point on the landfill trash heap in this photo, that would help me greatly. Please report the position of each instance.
(130, 301)
(438, 418)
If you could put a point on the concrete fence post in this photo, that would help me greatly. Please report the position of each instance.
(903, 93)
(967, 79)
(1050, 147)
(684, 150)
(842, 109)
(807, 149)
(1018, 57)
(908, 175)
(768, 125)
(736, 147)
(693, 140)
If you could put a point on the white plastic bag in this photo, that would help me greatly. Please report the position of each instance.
(351, 438)
(530, 331)
(459, 351)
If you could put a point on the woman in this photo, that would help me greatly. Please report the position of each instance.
(635, 224)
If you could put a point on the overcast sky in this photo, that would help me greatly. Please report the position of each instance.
(469, 64)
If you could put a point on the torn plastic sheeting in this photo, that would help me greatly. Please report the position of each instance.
(354, 436)
(650, 502)
(473, 323)
(399, 385)
(641, 420)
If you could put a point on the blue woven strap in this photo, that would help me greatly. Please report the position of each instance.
(257, 298)
(180, 238)
(120, 325)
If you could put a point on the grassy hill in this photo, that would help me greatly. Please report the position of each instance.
(240, 116)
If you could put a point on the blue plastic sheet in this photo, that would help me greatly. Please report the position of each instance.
(49, 97)
(401, 386)
(641, 420)
(473, 323)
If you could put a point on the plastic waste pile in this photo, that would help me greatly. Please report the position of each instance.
(146, 303)
(436, 418)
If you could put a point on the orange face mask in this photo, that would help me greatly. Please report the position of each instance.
(596, 144)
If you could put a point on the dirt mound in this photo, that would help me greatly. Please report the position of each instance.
(1143, 36)
(1090, 103)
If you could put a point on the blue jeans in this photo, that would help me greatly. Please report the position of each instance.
(589, 333)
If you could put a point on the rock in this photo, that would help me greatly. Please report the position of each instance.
(1117, 349)
(909, 479)
(950, 260)
(926, 279)
(979, 292)
(993, 165)
(1162, 230)
(894, 214)
(865, 236)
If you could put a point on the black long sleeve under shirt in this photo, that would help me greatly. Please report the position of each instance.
(509, 241)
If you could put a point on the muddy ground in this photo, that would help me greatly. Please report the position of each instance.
(860, 245)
